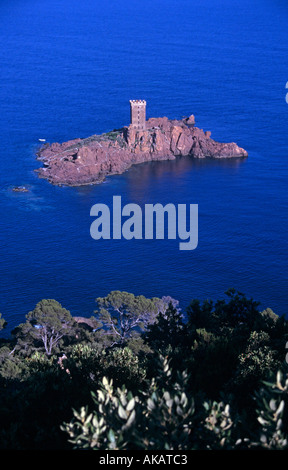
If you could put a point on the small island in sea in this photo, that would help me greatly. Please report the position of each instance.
(20, 189)
(89, 160)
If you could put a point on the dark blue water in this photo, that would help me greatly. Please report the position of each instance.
(68, 69)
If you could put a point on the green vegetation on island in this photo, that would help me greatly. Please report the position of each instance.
(142, 374)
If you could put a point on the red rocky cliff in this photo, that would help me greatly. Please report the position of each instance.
(87, 161)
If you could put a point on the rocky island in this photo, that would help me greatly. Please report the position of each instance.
(89, 160)
(20, 189)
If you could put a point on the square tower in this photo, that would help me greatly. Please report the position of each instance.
(138, 114)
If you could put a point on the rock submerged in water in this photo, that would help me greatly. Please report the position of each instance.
(20, 189)
(88, 161)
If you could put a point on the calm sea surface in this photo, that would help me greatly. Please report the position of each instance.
(68, 69)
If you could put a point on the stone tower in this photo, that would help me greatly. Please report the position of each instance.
(138, 114)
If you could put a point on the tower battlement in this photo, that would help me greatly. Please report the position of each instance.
(138, 114)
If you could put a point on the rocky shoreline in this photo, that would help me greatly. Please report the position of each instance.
(89, 161)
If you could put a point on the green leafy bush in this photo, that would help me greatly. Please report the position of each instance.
(154, 419)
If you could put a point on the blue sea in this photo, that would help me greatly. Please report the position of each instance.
(68, 70)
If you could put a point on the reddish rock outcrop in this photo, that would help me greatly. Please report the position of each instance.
(87, 161)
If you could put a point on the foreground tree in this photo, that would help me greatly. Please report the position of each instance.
(52, 322)
(123, 314)
(237, 311)
(167, 331)
(46, 325)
